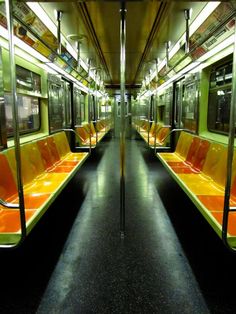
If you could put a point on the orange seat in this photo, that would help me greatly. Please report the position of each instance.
(85, 137)
(202, 176)
(10, 220)
(195, 158)
(46, 166)
(231, 221)
(182, 148)
(8, 189)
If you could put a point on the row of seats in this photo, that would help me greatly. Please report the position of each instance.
(47, 166)
(92, 133)
(155, 135)
(199, 166)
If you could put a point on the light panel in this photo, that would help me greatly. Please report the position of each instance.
(42, 15)
(199, 20)
(22, 45)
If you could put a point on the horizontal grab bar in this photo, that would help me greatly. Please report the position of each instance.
(8, 205)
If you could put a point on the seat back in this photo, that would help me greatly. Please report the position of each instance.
(8, 186)
(62, 144)
(201, 154)
(183, 144)
(215, 163)
(55, 156)
(46, 156)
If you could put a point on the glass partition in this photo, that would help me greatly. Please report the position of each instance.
(220, 98)
(55, 102)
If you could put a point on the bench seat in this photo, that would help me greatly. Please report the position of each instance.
(154, 136)
(47, 166)
(199, 167)
(88, 133)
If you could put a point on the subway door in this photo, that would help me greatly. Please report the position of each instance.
(177, 110)
(56, 103)
(77, 116)
(117, 117)
(67, 111)
(3, 128)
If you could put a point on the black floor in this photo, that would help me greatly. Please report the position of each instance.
(74, 261)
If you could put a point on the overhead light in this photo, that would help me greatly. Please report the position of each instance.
(202, 16)
(187, 69)
(25, 51)
(61, 71)
(224, 44)
(21, 44)
(42, 15)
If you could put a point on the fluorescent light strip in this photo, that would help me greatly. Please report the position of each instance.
(197, 65)
(28, 51)
(224, 44)
(19, 43)
(21, 53)
(70, 77)
(199, 20)
(42, 15)
(202, 16)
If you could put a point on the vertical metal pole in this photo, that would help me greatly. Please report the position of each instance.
(149, 109)
(89, 119)
(187, 15)
(230, 151)
(78, 55)
(167, 44)
(155, 140)
(59, 16)
(9, 7)
(96, 102)
(122, 117)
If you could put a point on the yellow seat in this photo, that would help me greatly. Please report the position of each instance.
(34, 173)
(64, 148)
(182, 148)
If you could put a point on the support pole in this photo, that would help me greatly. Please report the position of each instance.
(187, 15)
(167, 44)
(155, 140)
(122, 117)
(230, 153)
(78, 55)
(59, 17)
(9, 8)
(149, 108)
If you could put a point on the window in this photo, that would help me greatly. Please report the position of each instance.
(28, 110)
(82, 106)
(220, 98)
(27, 80)
(77, 106)
(68, 104)
(190, 104)
(165, 106)
(56, 108)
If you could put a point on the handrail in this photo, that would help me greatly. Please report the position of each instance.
(73, 131)
(149, 128)
(230, 155)
(9, 205)
(156, 132)
(21, 206)
(177, 130)
(155, 139)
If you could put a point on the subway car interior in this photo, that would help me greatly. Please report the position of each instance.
(118, 172)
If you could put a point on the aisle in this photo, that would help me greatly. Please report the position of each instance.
(97, 272)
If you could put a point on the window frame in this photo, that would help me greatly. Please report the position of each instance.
(28, 131)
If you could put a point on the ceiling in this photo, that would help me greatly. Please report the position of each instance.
(149, 24)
